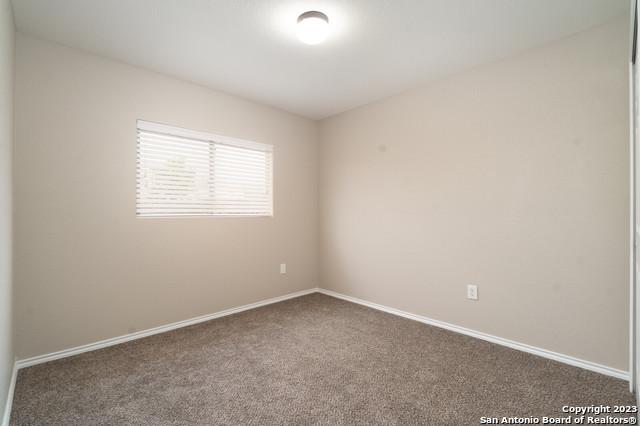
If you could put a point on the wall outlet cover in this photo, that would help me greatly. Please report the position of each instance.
(472, 292)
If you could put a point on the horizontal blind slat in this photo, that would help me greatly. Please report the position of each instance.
(187, 176)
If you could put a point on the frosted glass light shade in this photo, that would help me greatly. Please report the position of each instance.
(313, 27)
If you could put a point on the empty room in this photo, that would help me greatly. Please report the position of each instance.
(319, 212)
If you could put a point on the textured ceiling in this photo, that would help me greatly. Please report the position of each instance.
(248, 47)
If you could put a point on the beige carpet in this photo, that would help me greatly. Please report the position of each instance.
(310, 360)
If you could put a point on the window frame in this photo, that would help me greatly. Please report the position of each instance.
(211, 138)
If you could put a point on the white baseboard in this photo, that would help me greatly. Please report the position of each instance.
(576, 362)
(9, 403)
(28, 362)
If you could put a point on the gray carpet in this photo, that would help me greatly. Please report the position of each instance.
(310, 360)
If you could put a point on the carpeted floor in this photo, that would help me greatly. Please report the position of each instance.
(310, 360)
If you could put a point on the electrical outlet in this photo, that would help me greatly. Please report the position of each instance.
(472, 292)
(283, 268)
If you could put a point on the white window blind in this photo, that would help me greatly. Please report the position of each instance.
(182, 172)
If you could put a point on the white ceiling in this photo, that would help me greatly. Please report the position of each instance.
(248, 47)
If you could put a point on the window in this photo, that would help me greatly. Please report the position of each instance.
(182, 172)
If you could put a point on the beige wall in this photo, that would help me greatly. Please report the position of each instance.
(512, 176)
(6, 146)
(86, 269)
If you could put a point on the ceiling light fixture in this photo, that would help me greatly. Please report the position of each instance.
(313, 27)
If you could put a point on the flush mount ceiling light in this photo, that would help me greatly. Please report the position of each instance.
(313, 27)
